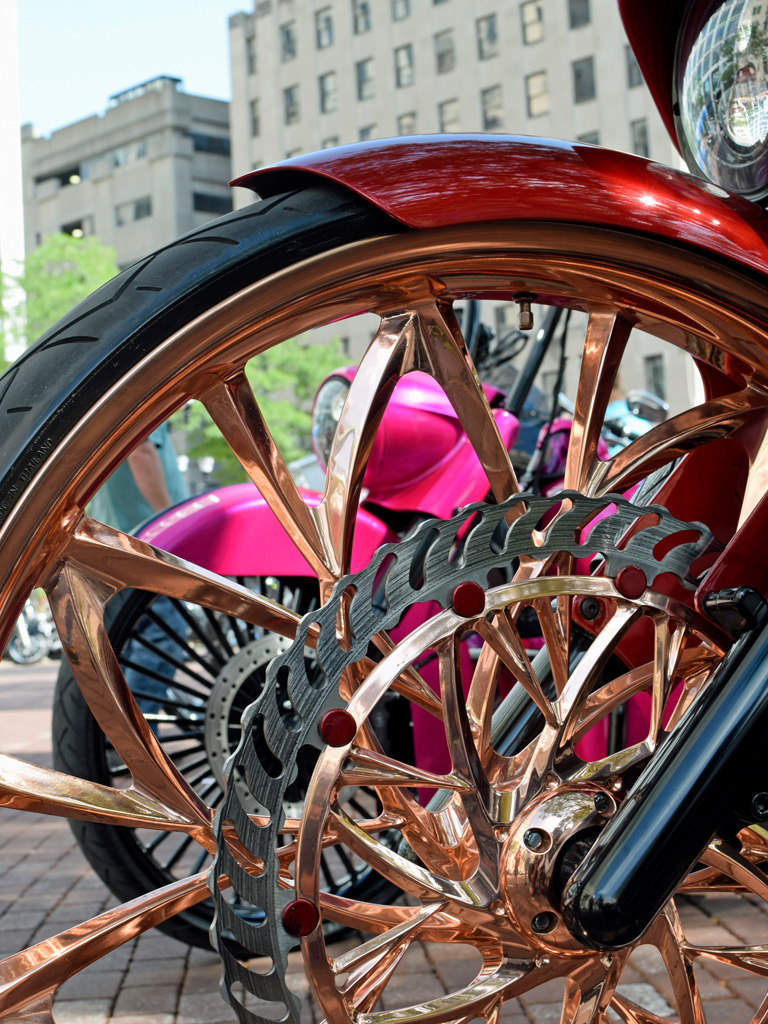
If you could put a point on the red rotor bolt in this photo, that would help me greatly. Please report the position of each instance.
(631, 581)
(468, 599)
(300, 918)
(337, 728)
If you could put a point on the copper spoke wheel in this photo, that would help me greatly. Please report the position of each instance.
(183, 324)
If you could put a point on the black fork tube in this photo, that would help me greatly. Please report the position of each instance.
(715, 761)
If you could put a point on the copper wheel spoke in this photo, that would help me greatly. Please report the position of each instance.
(604, 344)
(667, 648)
(388, 356)
(29, 978)
(488, 989)
(569, 706)
(412, 878)
(502, 637)
(117, 560)
(28, 787)
(666, 933)
(236, 413)
(78, 603)
(724, 858)
(556, 643)
(370, 965)
(372, 768)
(682, 433)
(476, 796)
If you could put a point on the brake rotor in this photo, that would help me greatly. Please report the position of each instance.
(536, 835)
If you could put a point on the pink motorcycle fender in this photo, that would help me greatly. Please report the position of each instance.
(433, 181)
(232, 531)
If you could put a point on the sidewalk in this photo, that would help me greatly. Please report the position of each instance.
(47, 886)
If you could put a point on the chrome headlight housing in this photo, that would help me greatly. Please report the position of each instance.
(722, 95)
(326, 413)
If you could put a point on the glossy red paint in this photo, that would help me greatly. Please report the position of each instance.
(437, 180)
(652, 28)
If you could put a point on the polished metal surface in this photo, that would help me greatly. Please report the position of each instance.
(489, 880)
(708, 310)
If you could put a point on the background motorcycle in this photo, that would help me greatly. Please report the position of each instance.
(404, 229)
(34, 636)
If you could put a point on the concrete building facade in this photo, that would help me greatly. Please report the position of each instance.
(310, 74)
(154, 165)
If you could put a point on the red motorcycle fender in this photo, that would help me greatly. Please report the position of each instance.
(434, 181)
(233, 532)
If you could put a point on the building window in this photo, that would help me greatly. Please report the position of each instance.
(406, 123)
(330, 142)
(639, 133)
(487, 37)
(76, 229)
(445, 51)
(400, 9)
(329, 95)
(493, 113)
(291, 104)
(448, 115)
(218, 144)
(361, 16)
(404, 66)
(537, 94)
(369, 132)
(655, 376)
(578, 13)
(250, 54)
(438, 1)
(323, 28)
(255, 118)
(137, 209)
(583, 80)
(288, 41)
(365, 81)
(204, 202)
(593, 138)
(296, 151)
(532, 14)
(634, 74)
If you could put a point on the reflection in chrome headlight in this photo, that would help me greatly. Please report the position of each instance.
(724, 98)
(325, 415)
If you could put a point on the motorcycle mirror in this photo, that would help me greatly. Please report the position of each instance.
(647, 406)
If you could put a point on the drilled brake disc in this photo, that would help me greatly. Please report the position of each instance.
(423, 567)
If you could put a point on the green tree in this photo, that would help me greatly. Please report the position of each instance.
(58, 274)
(284, 381)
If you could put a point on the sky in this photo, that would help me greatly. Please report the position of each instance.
(74, 56)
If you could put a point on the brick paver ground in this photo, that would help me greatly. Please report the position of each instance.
(46, 886)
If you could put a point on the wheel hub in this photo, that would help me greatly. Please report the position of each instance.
(555, 830)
